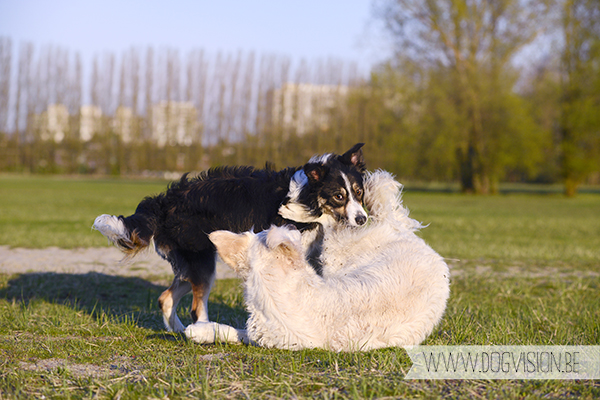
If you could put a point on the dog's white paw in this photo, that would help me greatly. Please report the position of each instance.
(211, 332)
(201, 332)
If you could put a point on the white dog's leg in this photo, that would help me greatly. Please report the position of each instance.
(212, 332)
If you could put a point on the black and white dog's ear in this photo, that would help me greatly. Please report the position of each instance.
(315, 172)
(354, 156)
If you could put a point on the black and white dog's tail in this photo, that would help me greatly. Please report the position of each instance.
(131, 234)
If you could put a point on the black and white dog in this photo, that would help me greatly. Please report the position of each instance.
(327, 190)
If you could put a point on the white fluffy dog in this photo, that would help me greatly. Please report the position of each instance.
(382, 285)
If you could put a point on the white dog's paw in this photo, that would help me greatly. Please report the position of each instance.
(201, 332)
(211, 332)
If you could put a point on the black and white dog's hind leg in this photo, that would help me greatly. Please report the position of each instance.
(201, 273)
(202, 330)
(128, 239)
(168, 301)
(115, 230)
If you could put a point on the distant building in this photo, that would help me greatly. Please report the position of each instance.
(122, 123)
(303, 107)
(53, 124)
(174, 123)
(90, 122)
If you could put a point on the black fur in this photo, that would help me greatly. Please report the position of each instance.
(233, 198)
(236, 199)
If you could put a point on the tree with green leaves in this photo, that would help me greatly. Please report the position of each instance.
(580, 89)
(465, 48)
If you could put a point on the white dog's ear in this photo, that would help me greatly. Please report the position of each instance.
(232, 247)
(287, 240)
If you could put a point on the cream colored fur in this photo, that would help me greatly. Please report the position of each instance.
(382, 285)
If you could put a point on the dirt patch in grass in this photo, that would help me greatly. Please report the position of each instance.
(118, 366)
(77, 370)
(105, 260)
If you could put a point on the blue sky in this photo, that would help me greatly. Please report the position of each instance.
(310, 29)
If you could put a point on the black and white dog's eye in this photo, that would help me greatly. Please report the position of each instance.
(339, 197)
(359, 192)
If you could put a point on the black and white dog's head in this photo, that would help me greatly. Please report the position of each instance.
(328, 190)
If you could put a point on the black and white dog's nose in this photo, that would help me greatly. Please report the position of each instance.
(360, 220)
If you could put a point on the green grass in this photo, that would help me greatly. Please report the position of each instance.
(526, 271)
(42, 211)
(536, 227)
(48, 211)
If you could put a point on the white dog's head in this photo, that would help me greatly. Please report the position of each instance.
(278, 249)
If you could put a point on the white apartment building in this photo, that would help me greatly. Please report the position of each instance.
(90, 122)
(305, 107)
(53, 124)
(174, 123)
(122, 123)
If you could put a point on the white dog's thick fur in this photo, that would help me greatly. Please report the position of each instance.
(381, 286)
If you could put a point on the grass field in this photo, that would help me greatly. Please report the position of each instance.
(525, 270)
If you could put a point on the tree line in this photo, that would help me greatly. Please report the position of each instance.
(229, 96)
(483, 116)
(460, 100)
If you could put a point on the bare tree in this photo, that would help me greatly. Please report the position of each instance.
(76, 90)
(107, 83)
(5, 79)
(149, 91)
(24, 91)
(247, 95)
(123, 79)
(196, 88)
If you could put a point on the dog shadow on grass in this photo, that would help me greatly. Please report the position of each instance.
(121, 299)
